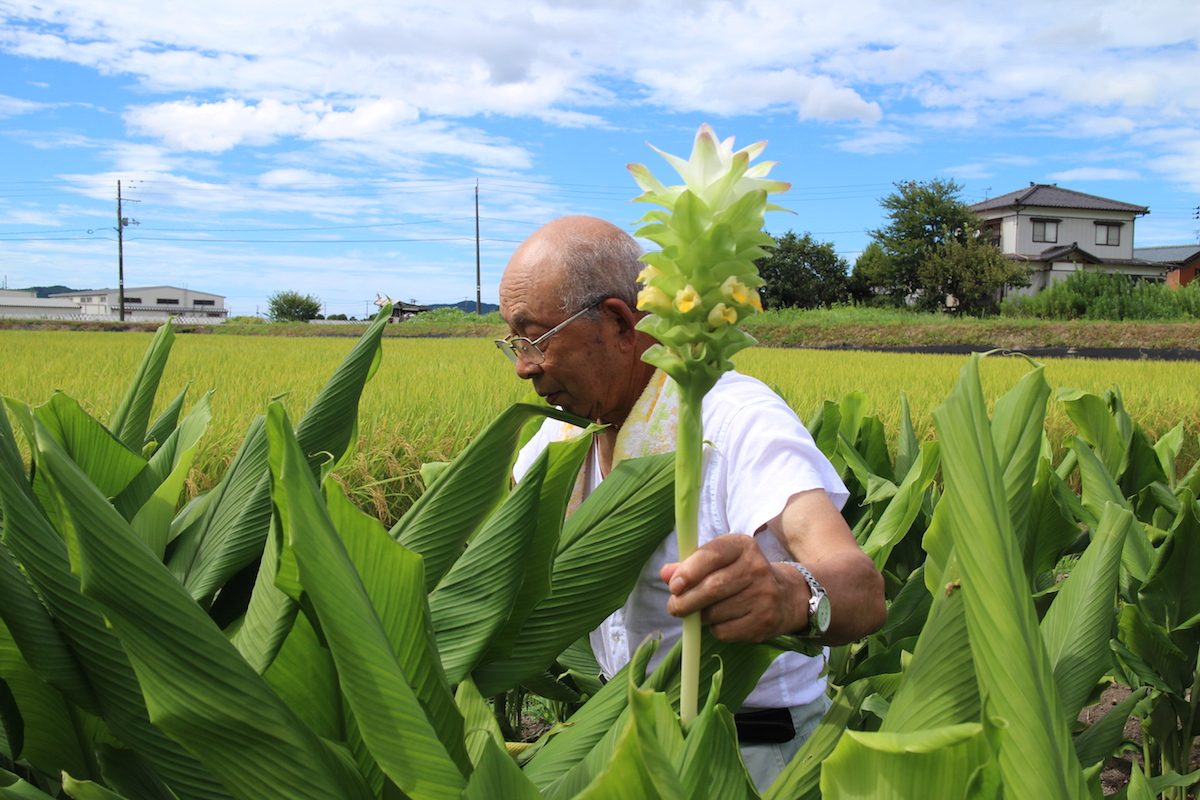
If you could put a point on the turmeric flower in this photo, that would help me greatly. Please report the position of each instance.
(697, 287)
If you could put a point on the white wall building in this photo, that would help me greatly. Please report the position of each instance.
(142, 304)
(1060, 231)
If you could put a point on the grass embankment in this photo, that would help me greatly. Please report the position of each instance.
(834, 328)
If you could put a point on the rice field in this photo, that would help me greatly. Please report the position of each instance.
(431, 396)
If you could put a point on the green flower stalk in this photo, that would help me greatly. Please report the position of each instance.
(697, 287)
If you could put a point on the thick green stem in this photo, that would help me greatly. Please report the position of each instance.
(688, 462)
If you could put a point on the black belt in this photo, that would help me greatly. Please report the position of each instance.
(765, 726)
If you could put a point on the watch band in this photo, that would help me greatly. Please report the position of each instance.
(818, 602)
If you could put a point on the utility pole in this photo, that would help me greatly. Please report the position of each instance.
(478, 293)
(122, 221)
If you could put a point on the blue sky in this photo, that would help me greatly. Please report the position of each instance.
(335, 149)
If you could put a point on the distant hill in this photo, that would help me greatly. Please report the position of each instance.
(468, 306)
(46, 291)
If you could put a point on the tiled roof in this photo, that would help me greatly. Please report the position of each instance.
(1047, 195)
(1176, 253)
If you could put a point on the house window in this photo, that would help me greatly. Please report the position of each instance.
(1045, 230)
(133, 301)
(204, 302)
(167, 301)
(991, 232)
(1108, 233)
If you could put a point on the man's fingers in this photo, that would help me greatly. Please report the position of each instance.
(715, 555)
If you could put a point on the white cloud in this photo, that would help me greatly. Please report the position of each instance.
(1094, 174)
(874, 142)
(13, 106)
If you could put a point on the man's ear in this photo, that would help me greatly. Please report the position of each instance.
(625, 317)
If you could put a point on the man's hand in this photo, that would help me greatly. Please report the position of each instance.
(742, 597)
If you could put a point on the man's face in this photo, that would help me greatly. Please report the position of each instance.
(585, 370)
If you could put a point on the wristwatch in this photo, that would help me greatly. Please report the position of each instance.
(819, 609)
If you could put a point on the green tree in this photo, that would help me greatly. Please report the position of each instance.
(922, 216)
(967, 275)
(287, 306)
(870, 268)
(803, 273)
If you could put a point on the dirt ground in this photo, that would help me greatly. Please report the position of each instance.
(1116, 772)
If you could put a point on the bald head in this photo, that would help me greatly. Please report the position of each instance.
(580, 259)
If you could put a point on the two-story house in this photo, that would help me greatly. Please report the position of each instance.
(1059, 231)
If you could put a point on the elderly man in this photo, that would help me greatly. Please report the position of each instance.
(776, 557)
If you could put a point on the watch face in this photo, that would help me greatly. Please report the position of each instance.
(822, 616)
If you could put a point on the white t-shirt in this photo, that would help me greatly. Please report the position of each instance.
(757, 455)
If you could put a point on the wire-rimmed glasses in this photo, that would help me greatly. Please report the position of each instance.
(516, 347)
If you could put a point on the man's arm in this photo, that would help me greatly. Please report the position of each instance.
(744, 597)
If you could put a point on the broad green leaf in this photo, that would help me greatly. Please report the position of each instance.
(496, 775)
(900, 513)
(825, 428)
(303, 676)
(872, 443)
(1018, 421)
(465, 493)
(907, 446)
(1050, 531)
(107, 462)
(165, 422)
(1142, 466)
(1099, 488)
(853, 407)
(13, 787)
(269, 616)
(219, 531)
(1171, 593)
(566, 459)
(939, 686)
(473, 599)
(479, 723)
(928, 764)
(389, 715)
(639, 767)
(394, 580)
(87, 790)
(1010, 662)
(12, 465)
(197, 687)
(129, 421)
(566, 748)
(1167, 448)
(229, 531)
(878, 488)
(37, 635)
(129, 774)
(170, 465)
(602, 550)
(47, 737)
(1079, 624)
(711, 764)
(1098, 427)
(42, 554)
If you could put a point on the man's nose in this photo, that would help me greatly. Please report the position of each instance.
(526, 369)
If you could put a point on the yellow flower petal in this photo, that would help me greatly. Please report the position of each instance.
(722, 315)
(686, 299)
(735, 290)
(648, 275)
(654, 300)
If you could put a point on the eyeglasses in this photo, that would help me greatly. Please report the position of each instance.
(516, 347)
